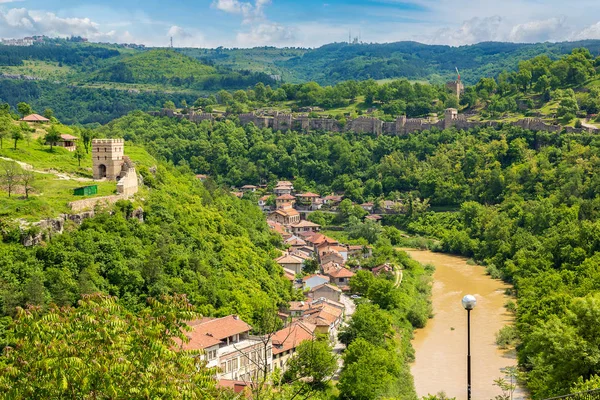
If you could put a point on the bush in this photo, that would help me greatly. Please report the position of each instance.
(493, 271)
(506, 337)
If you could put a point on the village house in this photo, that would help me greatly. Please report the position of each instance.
(202, 177)
(341, 277)
(285, 199)
(333, 200)
(358, 251)
(286, 340)
(262, 203)
(305, 226)
(312, 281)
(227, 344)
(239, 195)
(309, 201)
(279, 228)
(382, 269)
(295, 242)
(289, 275)
(291, 262)
(368, 207)
(283, 187)
(331, 256)
(374, 217)
(285, 215)
(325, 290)
(249, 188)
(68, 142)
(325, 316)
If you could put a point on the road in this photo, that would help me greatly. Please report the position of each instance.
(338, 348)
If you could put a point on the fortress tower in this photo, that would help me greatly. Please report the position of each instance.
(107, 158)
(450, 115)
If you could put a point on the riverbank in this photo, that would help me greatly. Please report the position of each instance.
(441, 347)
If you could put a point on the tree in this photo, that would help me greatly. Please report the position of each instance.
(24, 109)
(361, 282)
(6, 125)
(100, 350)
(169, 105)
(79, 154)
(26, 132)
(52, 136)
(27, 179)
(382, 293)
(49, 113)
(369, 371)
(87, 135)
(314, 363)
(11, 176)
(370, 323)
(17, 134)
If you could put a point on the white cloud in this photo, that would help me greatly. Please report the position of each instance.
(186, 38)
(250, 12)
(549, 30)
(591, 32)
(472, 31)
(266, 34)
(19, 22)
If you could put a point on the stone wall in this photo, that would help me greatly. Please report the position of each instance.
(128, 181)
(402, 125)
(92, 203)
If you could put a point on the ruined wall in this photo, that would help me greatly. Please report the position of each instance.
(90, 204)
(369, 125)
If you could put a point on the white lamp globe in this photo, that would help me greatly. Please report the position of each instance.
(469, 302)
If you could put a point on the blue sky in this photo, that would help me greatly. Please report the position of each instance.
(307, 23)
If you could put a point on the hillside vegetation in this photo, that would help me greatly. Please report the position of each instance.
(153, 66)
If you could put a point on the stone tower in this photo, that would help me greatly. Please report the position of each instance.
(107, 158)
(450, 115)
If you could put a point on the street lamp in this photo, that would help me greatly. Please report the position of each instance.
(469, 302)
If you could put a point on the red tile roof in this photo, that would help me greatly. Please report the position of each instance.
(290, 337)
(209, 332)
(341, 273)
(34, 118)
(308, 194)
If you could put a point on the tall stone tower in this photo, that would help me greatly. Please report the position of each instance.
(107, 158)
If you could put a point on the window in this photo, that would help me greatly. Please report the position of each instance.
(224, 367)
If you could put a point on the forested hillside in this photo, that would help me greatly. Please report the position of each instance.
(528, 209)
(195, 239)
(339, 62)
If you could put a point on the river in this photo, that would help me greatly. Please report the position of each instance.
(441, 347)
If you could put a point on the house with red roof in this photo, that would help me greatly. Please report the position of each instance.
(228, 345)
(304, 227)
(286, 340)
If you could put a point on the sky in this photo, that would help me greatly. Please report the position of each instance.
(302, 23)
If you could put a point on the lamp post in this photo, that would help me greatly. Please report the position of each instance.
(469, 302)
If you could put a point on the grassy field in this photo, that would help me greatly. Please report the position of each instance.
(57, 173)
(39, 69)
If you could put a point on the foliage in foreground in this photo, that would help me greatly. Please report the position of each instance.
(99, 350)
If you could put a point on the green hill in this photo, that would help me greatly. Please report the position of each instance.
(339, 62)
(154, 66)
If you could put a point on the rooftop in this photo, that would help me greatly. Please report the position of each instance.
(34, 118)
(208, 332)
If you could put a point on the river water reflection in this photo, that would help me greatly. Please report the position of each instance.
(441, 347)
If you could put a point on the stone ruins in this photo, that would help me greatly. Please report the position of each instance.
(401, 126)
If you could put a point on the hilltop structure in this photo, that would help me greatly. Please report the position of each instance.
(109, 162)
(370, 125)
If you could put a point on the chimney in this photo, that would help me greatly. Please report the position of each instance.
(236, 317)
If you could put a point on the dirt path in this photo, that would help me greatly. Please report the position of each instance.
(399, 276)
(59, 175)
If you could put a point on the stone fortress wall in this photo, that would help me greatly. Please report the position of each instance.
(370, 125)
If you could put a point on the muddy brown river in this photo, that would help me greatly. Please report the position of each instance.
(441, 347)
